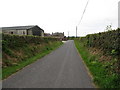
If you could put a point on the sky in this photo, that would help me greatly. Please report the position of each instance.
(60, 15)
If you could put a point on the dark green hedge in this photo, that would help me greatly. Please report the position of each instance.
(15, 41)
(16, 48)
(108, 41)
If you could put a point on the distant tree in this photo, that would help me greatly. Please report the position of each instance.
(109, 28)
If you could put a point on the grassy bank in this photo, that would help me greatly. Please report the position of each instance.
(103, 72)
(20, 52)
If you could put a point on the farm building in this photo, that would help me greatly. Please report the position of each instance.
(24, 30)
(58, 35)
(47, 34)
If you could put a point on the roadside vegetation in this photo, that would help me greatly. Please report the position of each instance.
(20, 51)
(101, 53)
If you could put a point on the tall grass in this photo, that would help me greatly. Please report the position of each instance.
(101, 76)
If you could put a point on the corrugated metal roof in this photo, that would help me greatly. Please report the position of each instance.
(18, 27)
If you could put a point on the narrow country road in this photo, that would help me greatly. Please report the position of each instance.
(62, 68)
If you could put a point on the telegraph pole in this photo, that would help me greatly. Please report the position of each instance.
(68, 33)
(76, 31)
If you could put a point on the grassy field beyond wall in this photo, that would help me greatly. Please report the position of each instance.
(19, 51)
(101, 53)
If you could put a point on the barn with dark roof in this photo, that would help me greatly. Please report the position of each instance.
(24, 30)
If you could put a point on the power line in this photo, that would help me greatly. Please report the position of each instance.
(82, 16)
(83, 12)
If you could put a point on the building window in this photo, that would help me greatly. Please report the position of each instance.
(23, 33)
(11, 32)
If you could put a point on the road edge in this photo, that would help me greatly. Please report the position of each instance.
(32, 63)
(88, 71)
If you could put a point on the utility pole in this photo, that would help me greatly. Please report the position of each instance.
(76, 31)
(68, 34)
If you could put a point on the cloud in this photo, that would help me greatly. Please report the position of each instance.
(60, 15)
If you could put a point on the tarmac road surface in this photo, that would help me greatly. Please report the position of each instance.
(63, 68)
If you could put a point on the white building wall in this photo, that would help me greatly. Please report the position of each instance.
(21, 32)
(17, 32)
(9, 31)
(42, 34)
(30, 32)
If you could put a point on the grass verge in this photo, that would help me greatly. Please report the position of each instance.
(100, 74)
(7, 71)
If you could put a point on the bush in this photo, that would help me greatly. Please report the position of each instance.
(108, 41)
(18, 48)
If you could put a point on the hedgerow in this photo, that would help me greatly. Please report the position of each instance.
(16, 41)
(17, 48)
(109, 43)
